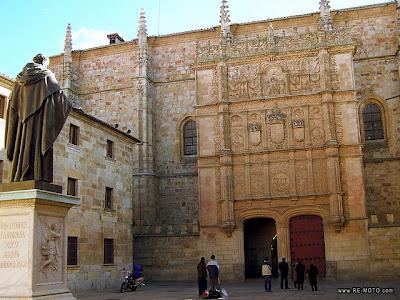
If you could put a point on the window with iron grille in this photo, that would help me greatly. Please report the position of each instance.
(110, 146)
(72, 252)
(73, 134)
(108, 251)
(190, 138)
(2, 106)
(108, 198)
(372, 117)
(72, 187)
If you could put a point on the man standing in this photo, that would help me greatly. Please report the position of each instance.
(284, 269)
(266, 272)
(213, 271)
(312, 276)
(300, 270)
(202, 275)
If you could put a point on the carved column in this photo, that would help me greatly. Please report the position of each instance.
(282, 231)
(228, 221)
(334, 186)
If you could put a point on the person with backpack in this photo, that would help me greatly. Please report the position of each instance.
(213, 272)
(266, 272)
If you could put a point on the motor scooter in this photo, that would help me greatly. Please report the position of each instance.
(130, 283)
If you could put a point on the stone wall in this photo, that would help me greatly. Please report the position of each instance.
(90, 221)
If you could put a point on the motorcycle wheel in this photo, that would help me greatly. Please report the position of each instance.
(123, 287)
(134, 287)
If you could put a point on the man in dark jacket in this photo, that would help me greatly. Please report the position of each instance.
(213, 271)
(202, 275)
(312, 276)
(284, 269)
(300, 269)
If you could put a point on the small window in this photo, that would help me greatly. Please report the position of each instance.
(108, 198)
(110, 145)
(72, 252)
(108, 251)
(73, 134)
(189, 138)
(72, 188)
(373, 127)
(2, 106)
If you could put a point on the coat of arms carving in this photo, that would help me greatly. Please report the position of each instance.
(298, 130)
(276, 122)
(254, 133)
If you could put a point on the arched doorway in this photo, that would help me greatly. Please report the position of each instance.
(307, 241)
(260, 241)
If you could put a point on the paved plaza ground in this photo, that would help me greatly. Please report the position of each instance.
(250, 289)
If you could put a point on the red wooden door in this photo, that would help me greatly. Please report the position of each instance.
(307, 241)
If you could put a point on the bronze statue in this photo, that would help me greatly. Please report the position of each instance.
(36, 113)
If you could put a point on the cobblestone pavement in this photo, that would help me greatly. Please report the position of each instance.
(250, 289)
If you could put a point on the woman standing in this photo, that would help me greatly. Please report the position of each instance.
(202, 275)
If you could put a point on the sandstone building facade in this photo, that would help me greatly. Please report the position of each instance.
(276, 138)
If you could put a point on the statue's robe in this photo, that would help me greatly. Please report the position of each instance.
(36, 113)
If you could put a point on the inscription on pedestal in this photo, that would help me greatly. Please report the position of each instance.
(13, 242)
(14, 254)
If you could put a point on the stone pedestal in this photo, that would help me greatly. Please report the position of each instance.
(33, 241)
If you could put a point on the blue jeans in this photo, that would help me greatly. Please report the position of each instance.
(268, 282)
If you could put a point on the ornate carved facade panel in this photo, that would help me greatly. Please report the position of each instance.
(316, 119)
(320, 176)
(302, 177)
(237, 130)
(256, 184)
(239, 181)
(279, 178)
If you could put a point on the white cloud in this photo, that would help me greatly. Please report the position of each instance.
(84, 38)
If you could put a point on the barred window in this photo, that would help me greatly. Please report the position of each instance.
(190, 138)
(372, 117)
(108, 251)
(72, 252)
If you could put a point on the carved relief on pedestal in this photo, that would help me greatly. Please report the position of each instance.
(302, 177)
(316, 126)
(280, 182)
(334, 76)
(298, 131)
(277, 128)
(50, 249)
(237, 133)
(239, 182)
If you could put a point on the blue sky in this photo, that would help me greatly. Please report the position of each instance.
(31, 26)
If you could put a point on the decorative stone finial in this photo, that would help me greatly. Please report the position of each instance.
(68, 44)
(225, 21)
(325, 15)
(142, 33)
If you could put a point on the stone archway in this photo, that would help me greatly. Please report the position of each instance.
(260, 241)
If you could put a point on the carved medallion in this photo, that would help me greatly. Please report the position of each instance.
(255, 133)
(280, 183)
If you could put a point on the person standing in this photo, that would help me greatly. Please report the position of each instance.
(294, 274)
(312, 276)
(284, 269)
(213, 272)
(202, 275)
(266, 272)
(300, 270)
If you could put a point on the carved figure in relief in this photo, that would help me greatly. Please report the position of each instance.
(49, 247)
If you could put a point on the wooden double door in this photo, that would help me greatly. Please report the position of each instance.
(307, 241)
